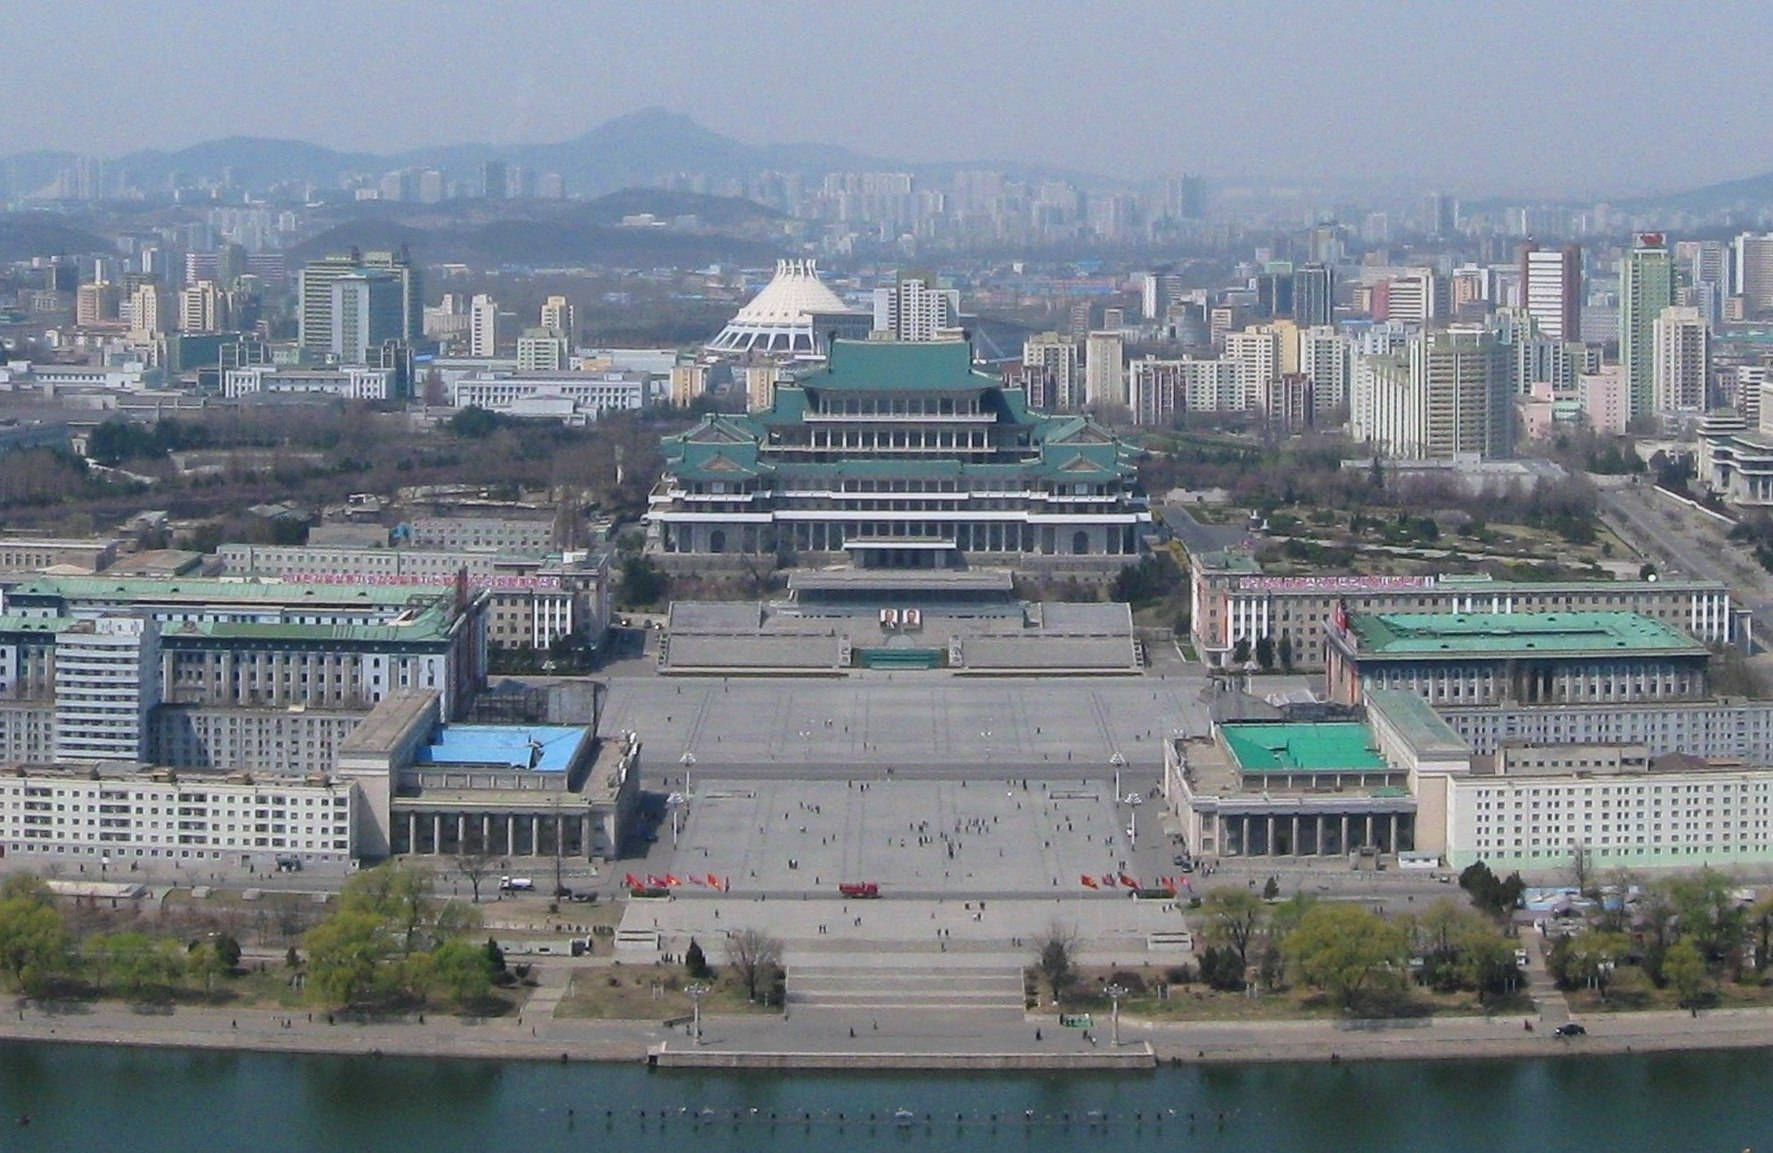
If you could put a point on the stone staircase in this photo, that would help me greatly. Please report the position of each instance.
(886, 989)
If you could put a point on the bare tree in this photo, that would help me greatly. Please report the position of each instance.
(754, 955)
(476, 867)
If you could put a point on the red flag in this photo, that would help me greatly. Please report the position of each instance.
(1089, 882)
(654, 882)
(672, 880)
(1170, 884)
(1128, 881)
(1108, 880)
(632, 882)
(713, 881)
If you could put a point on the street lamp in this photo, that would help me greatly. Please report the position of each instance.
(1114, 993)
(688, 761)
(1119, 762)
(696, 992)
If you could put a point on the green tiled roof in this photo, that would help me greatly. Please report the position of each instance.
(1515, 634)
(1322, 747)
(892, 366)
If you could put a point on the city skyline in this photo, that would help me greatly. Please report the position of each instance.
(1130, 98)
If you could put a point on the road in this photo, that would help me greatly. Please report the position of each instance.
(1685, 543)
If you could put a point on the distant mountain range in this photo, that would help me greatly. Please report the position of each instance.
(639, 148)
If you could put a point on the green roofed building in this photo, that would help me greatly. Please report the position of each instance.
(1452, 659)
(898, 455)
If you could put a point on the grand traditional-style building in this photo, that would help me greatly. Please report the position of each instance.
(899, 455)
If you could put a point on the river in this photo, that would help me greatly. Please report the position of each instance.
(87, 1098)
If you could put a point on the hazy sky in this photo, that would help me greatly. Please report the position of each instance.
(1477, 96)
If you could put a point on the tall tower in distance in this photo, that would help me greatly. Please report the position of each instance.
(1646, 287)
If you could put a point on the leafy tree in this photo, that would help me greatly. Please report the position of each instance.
(1271, 888)
(495, 956)
(474, 423)
(227, 951)
(1589, 958)
(1339, 948)
(345, 953)
(1240, 651)
(1683, 967)
(33, 941)
(143, 969)
(462, 971)
(1221, 968)
(1154, 577)
(695, 962)
(643, 583)
(1707, 914)
(755, 956)
(1285, 652)
(1490, 894)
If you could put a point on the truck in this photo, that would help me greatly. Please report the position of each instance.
(862, 890)
(516, 884)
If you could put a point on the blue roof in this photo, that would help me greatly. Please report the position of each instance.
(553, 746)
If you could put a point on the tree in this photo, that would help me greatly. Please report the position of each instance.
(1271, 888)
(1490, 894)
(476, 867)
(1240, 651)
(345, 952)
(1684, 968)
(1221, 968)
(695, 962)
(1286, 652)
(462, 971)
(1589, 958)
(1054, 953)
(33, 941)
(1339, 948)
(227, 951)
(755, 956)
(1265, 653)
(642, 582)
(1707, 914)
(474, 423)
(495, 956)
(1232, 919)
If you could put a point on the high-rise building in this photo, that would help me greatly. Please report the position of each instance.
(1104, 369)
(1447, 398)
(542, 350)
(149, 309)
(365, 314)
(1752, 265)
(1050, 360)
(107, 682)
(913, 308)
(1158, 291)
(1681, 345)
(1709, 271)
(96, 303)
(1414, 298)
(493, 180)
(315, 291)
(1646, 287)
(688, 381)
(1325, 356)
(201, 307)
(1551, 289)
(558, 314)
(1257, 354)
(483, 326)
(1314, 295)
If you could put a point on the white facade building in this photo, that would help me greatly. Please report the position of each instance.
(347, 381)
(483, 326)
(574, 397)
(915, 309)
(1105, 368)
(145, 817)
(107, 681)
(1681, 348)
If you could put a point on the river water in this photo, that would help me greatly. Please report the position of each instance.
(84, 1098)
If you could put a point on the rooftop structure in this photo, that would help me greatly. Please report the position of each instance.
(1234, 601)
(1310, 748)
(1479, 658)
(778, 320)
(898, 455)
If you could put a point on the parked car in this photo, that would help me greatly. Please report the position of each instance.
(1571, 1029)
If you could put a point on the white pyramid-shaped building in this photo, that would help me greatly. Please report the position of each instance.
(779, 320)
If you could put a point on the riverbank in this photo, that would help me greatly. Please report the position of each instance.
(844, 1039)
